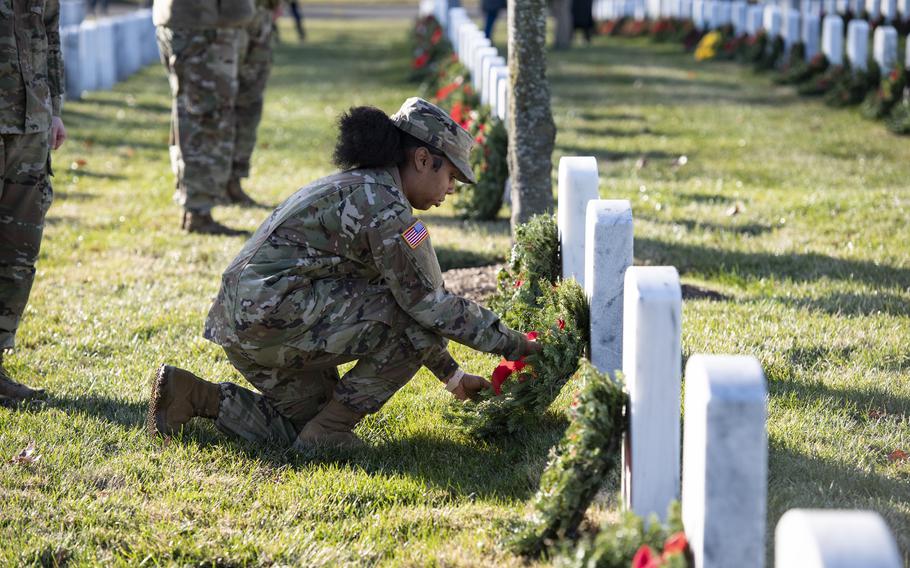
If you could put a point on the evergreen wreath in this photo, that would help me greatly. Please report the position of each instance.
(483, 200)
(853, 86)
(879, 103)
(899, 119)
(800, 72)
(578, 464)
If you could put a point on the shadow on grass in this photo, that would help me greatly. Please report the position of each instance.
(752, 229)
(852, 304)
(805, 481)
(799, 267)
(613, 156)
(461, 469)
(866, 403)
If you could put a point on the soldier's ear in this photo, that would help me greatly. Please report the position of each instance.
(422, 159)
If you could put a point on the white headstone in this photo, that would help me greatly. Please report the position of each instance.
(755, 16)
(69, 45)
(107, 66)
(725, 461)
(478, 43)
(652, 303)
(72, 12)
(812, 31)
(464, 29)
(457, 16)
(739, 13)
(88, 59)
(577, 185)
(903, 8)
(608, 253)
(885, 48)
(502, 97)
(712, 13)
(492, 85)
(833, 39)
(829, 538)
(792, 31)
(857, 7)
(858, 44)
(889, 10)
(685, 9)
(149, 41)
(480, 55)
(772, 21)
(698, 14)
(874, 9)
(723, 14)
(128, 54)
(829, 7)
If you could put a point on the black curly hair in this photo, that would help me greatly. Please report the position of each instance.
(367, 138)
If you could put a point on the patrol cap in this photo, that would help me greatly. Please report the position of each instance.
(429, 123)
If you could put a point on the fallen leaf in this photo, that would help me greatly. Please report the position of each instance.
(641, 163)
(79, 163)
(875, 414)
(898, 456)
(736, 209)
(27, 456)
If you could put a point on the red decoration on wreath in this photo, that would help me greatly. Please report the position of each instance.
(420, 61)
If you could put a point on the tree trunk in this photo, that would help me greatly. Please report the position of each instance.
(532, 132)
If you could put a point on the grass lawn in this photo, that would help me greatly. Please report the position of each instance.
(815, 266)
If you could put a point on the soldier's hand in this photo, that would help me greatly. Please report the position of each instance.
(470, 387)
(58, 132)
(531, 347)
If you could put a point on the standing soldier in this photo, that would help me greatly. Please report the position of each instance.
(198, 43)
(254, 61)
(31, 97)
(342, 271)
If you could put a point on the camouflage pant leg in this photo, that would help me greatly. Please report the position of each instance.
(202, 69)
(25, 196)
(295, 386)
(254, 65)
(380, 374)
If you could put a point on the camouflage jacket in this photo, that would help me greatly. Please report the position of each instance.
(335, 259)
(31, 66)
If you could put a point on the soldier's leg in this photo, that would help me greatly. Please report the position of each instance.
(25, 196)
(294, 390)
(203, 73)
(254, 65)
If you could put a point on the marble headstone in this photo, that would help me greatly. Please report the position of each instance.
(885, 48)
(739, 14)
(792, 31)
(652, 306)
(577, 185)
(488, 93)
(812, 31)
(833, 39)
(755, 16)
(608, 253)
(858, 44)
(831, 538)
(725, 461)
(772, 21)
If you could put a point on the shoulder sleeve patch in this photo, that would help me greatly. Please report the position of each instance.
(415, 234)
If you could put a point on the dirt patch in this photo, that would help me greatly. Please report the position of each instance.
(479, 283)
(476, 284)
(691, 292)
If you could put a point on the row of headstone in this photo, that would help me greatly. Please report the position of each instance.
(792, 26)
(716, 13)
(636, 325)
(489, 70)
(99, 53)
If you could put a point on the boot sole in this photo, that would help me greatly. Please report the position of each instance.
(155, 424)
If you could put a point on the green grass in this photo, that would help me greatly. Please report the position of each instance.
(815, 265)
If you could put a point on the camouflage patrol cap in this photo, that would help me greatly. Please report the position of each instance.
(429, 123)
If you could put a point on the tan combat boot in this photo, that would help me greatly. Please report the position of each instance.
(331, 427)
(177, 397)
(196, 222)
(12, 392)
(237, 196)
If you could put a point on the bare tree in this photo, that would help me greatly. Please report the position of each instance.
(532, 132)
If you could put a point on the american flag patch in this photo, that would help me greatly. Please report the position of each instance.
(416, 234)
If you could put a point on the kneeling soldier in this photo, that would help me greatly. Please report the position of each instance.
(342, 271)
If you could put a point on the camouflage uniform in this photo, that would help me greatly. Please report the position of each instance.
(254, 48)
(198, 47)
(31, 91)
(331, 277)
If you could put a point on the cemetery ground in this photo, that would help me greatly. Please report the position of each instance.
(794, 214)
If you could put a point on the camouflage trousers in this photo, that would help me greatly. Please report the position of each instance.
(296, 385)
(25, 196)
(202, 70)
(253, 67)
